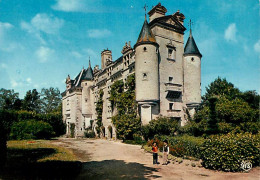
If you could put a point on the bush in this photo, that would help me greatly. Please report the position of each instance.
(184, 145)
(90, 134)
(226, 152)
(180, 146)
(31, 129)
(160, 126)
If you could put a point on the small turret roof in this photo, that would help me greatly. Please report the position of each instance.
(146, 34)
(191, 47)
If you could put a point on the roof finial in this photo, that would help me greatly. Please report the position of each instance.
(190, 24)
(145, 10)
(89, 65)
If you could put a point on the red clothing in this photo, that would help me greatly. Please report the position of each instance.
(155, 149)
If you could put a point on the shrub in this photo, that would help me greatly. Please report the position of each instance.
(160, 126)
(90, 134)
(31, 129)
(184, 145)
(226, 152)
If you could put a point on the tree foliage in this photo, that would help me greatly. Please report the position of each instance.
(50, 99)
(160, 126)
(9, 99)
(99, 110)
(232, 110)
(32, 101)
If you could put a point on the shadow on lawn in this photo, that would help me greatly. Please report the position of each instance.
(22, 164)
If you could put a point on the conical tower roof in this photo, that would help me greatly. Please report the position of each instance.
(146, 35)
(88, 74)
(191, 47)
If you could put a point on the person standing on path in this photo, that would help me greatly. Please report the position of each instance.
(155, 153)
(166, 151)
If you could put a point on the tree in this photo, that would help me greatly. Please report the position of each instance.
(221, 87)
(224, 109)
(50, 99)
(252, 98)
(32, 101)
(9, 99)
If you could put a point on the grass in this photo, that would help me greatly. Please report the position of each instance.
(39, 159)
(59, 153)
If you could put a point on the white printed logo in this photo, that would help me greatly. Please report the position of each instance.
(246, 165)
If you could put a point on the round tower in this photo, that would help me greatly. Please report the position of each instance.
(192, 73)
(146, 72)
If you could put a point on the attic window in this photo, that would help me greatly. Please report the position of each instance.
(145, 49)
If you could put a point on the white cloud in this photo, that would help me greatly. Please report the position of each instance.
(44, 53)
(98, 33)
(230, 33)
(14, 83)
(42, 23)
(4, 27)
(70, 5)
(29, 80)
(257, 47)
(76, 54)
(46, 23)
(3, 66)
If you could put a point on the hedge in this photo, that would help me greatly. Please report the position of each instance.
(54, 119)
(31, 129)
(226, 152)
(181, 146)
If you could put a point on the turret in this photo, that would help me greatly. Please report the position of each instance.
(192, 73)
(146, 72)
(106, 58)
(87, 83)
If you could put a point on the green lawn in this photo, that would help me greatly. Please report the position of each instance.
(39, 159)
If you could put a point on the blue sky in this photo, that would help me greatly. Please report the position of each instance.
(42, 41)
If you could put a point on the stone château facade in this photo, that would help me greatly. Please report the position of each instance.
(167, 75)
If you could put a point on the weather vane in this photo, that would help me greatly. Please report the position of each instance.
(145, 9)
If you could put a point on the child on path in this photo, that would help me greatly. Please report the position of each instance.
(155, 153)
(165, 152)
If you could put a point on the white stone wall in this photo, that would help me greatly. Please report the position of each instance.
(192, 79)
(146, 73)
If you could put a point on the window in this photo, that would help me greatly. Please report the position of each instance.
(170, 79)
(192, 59)
(170, 53)
(145, 49)
(144, 76)
(171, 106)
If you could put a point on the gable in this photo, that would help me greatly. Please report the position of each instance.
(168, 22)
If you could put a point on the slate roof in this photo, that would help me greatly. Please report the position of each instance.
(85, 74)
(146, 35)
(191, 47)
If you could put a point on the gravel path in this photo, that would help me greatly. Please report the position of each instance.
(103, 159)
